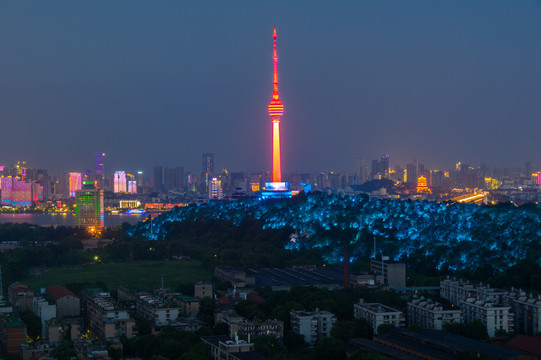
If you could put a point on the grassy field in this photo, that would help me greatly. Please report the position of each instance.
(144, 275)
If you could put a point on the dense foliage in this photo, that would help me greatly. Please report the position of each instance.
(447, 236)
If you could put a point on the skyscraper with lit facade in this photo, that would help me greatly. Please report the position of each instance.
(215, 189)
(16, 192)
(119, 182)
(89, 206)
(100, 169)
(75, 181)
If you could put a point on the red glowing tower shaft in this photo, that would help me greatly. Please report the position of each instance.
(276, 110)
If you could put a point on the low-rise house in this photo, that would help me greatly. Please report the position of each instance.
(20, 296)
(67, 303)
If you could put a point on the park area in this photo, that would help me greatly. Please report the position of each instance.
(144, 275)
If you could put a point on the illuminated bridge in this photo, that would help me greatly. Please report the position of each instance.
(475, 197)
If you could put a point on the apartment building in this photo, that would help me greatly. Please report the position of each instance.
(106, 319)
(493, 316)
(243, 327)
(527, 309)
(378, 314)
(431, 315)
(156, 311)
(313, 325)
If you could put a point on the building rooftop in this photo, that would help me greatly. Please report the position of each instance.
(378, 308)
(58, 292)
(439, 343)
(12, 321)
(298, 276)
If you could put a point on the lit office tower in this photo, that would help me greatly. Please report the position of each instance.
(384, 166)
(215, 189)
(89, 206)
(75, 180)
(100, 169)
(15, 192)
(276, 110)
(119, 184)
(132, 186)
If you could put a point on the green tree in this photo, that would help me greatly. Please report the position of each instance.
(32, 322)
(293, 340)
(348, 329)
(114, 353)
(385, 328)
(268, 346)
(64, 351)
(329, 348)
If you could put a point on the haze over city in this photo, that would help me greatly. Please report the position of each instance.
(160, 84)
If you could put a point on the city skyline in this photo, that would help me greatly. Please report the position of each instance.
(160, 85)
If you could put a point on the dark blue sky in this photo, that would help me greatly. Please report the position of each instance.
(161, 82)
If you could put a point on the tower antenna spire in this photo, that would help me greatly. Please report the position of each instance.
(276, 110)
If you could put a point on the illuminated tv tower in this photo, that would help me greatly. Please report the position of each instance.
(276, 110)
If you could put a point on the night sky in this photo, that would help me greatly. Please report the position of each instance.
(160, 82)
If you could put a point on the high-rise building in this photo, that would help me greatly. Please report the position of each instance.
(132, 184)
(139, 182)
(157, 177)
(374, 170)
(207, 170)
(208, 163)
(173, 178)
(89, 206)
(100, 167)
(412, 171)
(119, 182)
(15, 192)
(75, 181)
(215, 189)
(384, 166)
(361, 171)
(276, 110)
